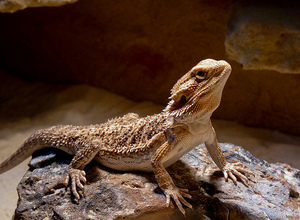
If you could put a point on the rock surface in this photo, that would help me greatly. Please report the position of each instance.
(265, 37)
(15, 5)
(273, 192)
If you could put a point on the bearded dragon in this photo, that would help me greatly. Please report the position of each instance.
(151, 143)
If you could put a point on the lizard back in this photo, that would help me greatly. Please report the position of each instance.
(120, 139)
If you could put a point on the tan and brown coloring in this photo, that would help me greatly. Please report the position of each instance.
(150, 144)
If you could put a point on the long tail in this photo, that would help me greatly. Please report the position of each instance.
(25, 151)
(50, 137)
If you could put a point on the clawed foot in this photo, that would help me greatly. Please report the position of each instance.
(77, 177)
(177, 195)
(232, 170)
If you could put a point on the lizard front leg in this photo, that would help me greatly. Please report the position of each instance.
(165, 181)
(230, 170)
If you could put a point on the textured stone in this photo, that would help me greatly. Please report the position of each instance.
(273, 192)
(15, 5)
(265, 36)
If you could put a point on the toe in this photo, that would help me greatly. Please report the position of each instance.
(232, 177)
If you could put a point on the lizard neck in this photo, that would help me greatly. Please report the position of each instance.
(196, 124)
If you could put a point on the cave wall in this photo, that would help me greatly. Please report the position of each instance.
(140, 48)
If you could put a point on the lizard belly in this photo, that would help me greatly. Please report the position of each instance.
(142, 162)
(126, 163)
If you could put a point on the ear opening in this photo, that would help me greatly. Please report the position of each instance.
(183, 99)
(173, 105)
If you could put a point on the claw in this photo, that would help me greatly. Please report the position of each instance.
(184, 193)
(168, 200)
(74, 190)
(82, 177)
(177, 195)
(234, 170)
(66, 180)
(77, 178)
(226, 176)
(232, 177)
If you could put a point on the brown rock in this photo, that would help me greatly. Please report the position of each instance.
(15, 5)
(265, 36)
(273, 193)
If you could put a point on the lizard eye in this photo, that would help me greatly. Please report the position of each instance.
(200, 75)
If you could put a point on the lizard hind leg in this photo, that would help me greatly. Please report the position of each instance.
(75, 175)
(77, 179)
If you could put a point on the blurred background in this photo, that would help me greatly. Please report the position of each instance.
(88, 61)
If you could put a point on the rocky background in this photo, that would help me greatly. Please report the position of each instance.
(145, 46)
(138, 49)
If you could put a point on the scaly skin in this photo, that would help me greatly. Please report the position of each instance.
(150, 143)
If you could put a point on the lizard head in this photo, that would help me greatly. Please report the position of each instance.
(199, 91)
